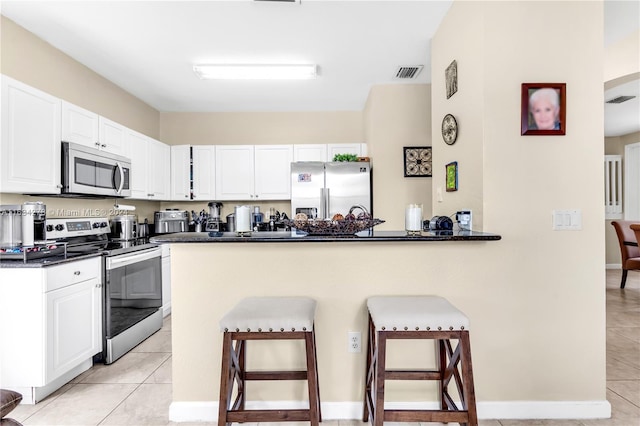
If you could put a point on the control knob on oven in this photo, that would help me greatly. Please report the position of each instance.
(59, 227)
(95, 225)
(49, 228)
(103, 224)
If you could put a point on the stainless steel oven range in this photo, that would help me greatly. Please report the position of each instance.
(132, 277)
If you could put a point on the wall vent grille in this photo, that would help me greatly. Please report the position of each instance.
(410, 72)
(620, 99)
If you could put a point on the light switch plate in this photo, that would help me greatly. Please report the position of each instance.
(567, 220)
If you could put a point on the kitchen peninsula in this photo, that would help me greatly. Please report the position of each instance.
(210, 274)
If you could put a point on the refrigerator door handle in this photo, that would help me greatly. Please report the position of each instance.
(324, 203)
(327, 199)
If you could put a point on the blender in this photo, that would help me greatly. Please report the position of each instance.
(214, 223)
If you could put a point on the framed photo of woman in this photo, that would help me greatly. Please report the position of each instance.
(543, 109)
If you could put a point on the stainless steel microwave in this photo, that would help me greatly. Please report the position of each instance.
(90, 172)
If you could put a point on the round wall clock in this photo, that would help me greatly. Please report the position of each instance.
(449, 129)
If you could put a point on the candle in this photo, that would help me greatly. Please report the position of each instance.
(243, 219)
(413, 218)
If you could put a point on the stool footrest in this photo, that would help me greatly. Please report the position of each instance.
(442, 416)
(275, 375)
(241, 416)
(412, 375)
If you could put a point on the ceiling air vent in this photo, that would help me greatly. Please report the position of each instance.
(619, 99)
(403, 73)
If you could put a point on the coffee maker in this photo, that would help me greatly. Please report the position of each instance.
(214, 223)
(22, 224)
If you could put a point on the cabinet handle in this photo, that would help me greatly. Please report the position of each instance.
(256, 195)
(149, 195)
(186, 196)
(103, 145)
(76, 273)
(97, 144)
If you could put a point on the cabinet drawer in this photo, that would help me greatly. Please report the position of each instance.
(73, 272)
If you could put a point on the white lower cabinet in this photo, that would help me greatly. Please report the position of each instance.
(50, 325)
(166, 279)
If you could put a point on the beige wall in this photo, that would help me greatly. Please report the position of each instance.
(397, 116)
(33, 61)
(524, 178)
(260, 128)
(622, 57)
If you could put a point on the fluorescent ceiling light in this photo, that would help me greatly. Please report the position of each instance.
(256, 71)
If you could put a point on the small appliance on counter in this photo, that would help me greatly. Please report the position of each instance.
(23, 232)
(170, 221)
(124, 227)
(214, 222)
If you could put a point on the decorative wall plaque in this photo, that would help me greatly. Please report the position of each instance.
(417, 161)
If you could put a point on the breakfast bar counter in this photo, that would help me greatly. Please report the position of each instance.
(211, 273)
(294, 237)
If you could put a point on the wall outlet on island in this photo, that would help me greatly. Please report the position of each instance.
(354, 342)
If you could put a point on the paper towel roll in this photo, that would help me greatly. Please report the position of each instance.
(243, 219)
(413, 217)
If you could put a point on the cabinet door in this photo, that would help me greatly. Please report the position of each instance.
(139, 171)
(166, 280)
(74, 326)
(343, 148)
(30, 144)
(181, 172)
(273, 172)
(204, 172)
(113, 137)
(310, 152)
(159, 163)
(80, 126)
(234, 172)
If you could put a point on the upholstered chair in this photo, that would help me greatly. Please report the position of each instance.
(629, 250)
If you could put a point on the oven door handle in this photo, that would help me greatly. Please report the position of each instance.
(128, 259)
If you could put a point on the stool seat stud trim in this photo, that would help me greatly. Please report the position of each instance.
(415, 313)
(275, 314)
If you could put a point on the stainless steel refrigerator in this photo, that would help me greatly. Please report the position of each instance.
(320, 190)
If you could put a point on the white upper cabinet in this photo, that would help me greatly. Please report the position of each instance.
(80, 126)
(181, 172)
(150, 167)
(359, 149)
(234, 172)
(310, 152)
(113, 137)
(273, 172)
(204, 172)
(326, 152)
(30, 146)
(159, 166)
(89, 129)
(193, 172)
(139, 174)
(248, 172)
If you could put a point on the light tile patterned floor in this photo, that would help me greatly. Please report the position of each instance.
(136, 390)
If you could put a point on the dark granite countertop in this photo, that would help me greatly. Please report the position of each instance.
(44, 261)
(292, 237)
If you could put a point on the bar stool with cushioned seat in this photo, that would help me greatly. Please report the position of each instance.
(266, 318)
(419, 317)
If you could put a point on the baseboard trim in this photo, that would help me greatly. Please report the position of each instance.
(613, 266)
(207, 411)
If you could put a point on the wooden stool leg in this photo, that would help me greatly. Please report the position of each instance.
(380, 360)
(469, 402)
(315, 354)
(441, 360)
(368, 373)
(241, 353)
(225, 380)
(312, 380)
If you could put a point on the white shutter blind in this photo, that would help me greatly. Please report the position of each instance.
(613, 186)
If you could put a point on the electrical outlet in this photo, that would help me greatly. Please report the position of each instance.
(354, 342)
